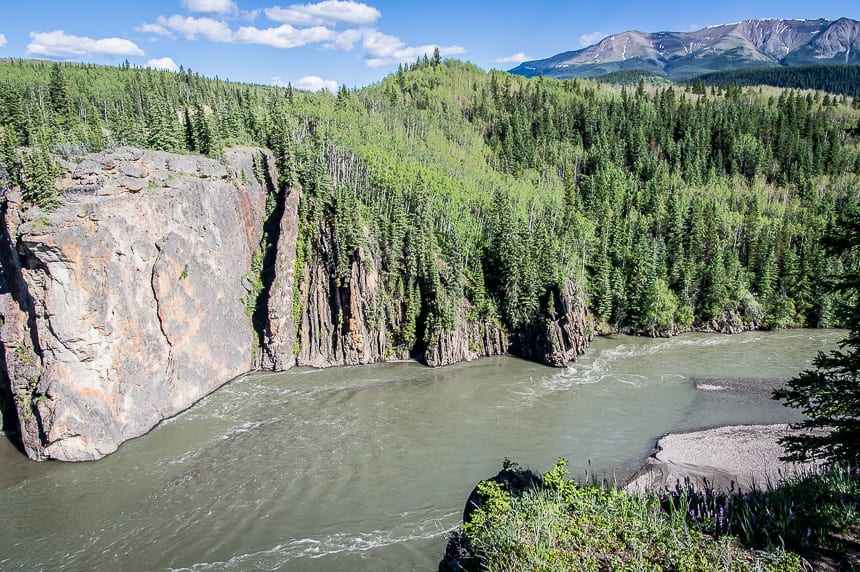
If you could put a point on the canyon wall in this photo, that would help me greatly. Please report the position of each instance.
(126, 304)
(161, 277)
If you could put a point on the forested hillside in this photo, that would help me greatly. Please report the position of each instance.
(492, 197)
(835, 79)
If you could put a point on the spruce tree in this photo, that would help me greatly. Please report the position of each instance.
(829, 395)
(58, 92)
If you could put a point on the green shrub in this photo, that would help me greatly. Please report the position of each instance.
(567, 526)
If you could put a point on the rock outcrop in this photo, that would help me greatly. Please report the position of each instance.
(126, 305)
(160, 277)
(559, 341)
(346, 323)
(341, 324)
(279, 338)
(459, 554)
(471, 339)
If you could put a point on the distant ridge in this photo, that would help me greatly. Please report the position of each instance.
(682, 55)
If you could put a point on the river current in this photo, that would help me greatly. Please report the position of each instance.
(368, 468)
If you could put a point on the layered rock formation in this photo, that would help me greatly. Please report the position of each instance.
(126, 305)
(346, 325)
(558, 341)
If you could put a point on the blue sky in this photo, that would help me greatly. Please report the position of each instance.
(331, 42)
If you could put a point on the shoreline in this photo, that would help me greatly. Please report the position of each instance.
(731, 386)
(724, 457)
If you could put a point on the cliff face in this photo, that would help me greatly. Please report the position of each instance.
(125, 305)
(340, 324)
(348, 324)
(163, 276)
(279, 337)
(560, 340)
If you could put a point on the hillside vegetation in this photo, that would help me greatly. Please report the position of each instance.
(671, 210)
(555, 523)
(835, 79)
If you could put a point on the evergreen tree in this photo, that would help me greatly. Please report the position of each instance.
(58, 92)
(829, 395)
(38, 172)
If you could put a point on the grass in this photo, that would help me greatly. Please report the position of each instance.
(567, 526)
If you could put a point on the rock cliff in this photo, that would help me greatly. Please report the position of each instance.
(126, 305)
(560, 340)
(160, 277)
(279, 337)
(346, 324)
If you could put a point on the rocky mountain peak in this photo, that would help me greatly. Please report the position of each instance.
(751, 43)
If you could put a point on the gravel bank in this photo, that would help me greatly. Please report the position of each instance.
(745, 455)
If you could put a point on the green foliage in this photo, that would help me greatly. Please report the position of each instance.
(37, 174)
(838, 79)
(24, 354)
(566, 526)
(495, 193)
(829, 395)
(802, 512)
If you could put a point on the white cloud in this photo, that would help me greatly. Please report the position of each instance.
(381, 49)
(153, 29)
(210, 6)
(284, 36)
(345, 40)
(386, 49)
(60, 44)
(190, 28)
(328, 12)
(381, 45)
(314, 83)
(516, 58)
(592, 38)
(2, 40)
(164, 63)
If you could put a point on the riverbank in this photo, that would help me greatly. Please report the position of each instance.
(740, 456)
(745, 458)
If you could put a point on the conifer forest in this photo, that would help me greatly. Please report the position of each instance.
(668, 207)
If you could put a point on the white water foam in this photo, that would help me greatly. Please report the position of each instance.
(274, 558)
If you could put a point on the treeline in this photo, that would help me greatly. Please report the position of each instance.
(835, 79)
(706, 210)
(71, 109)
(633, 77)
(481, 195)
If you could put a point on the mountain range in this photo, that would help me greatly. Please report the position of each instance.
(680, 55)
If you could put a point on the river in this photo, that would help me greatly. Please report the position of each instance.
(368, 468)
